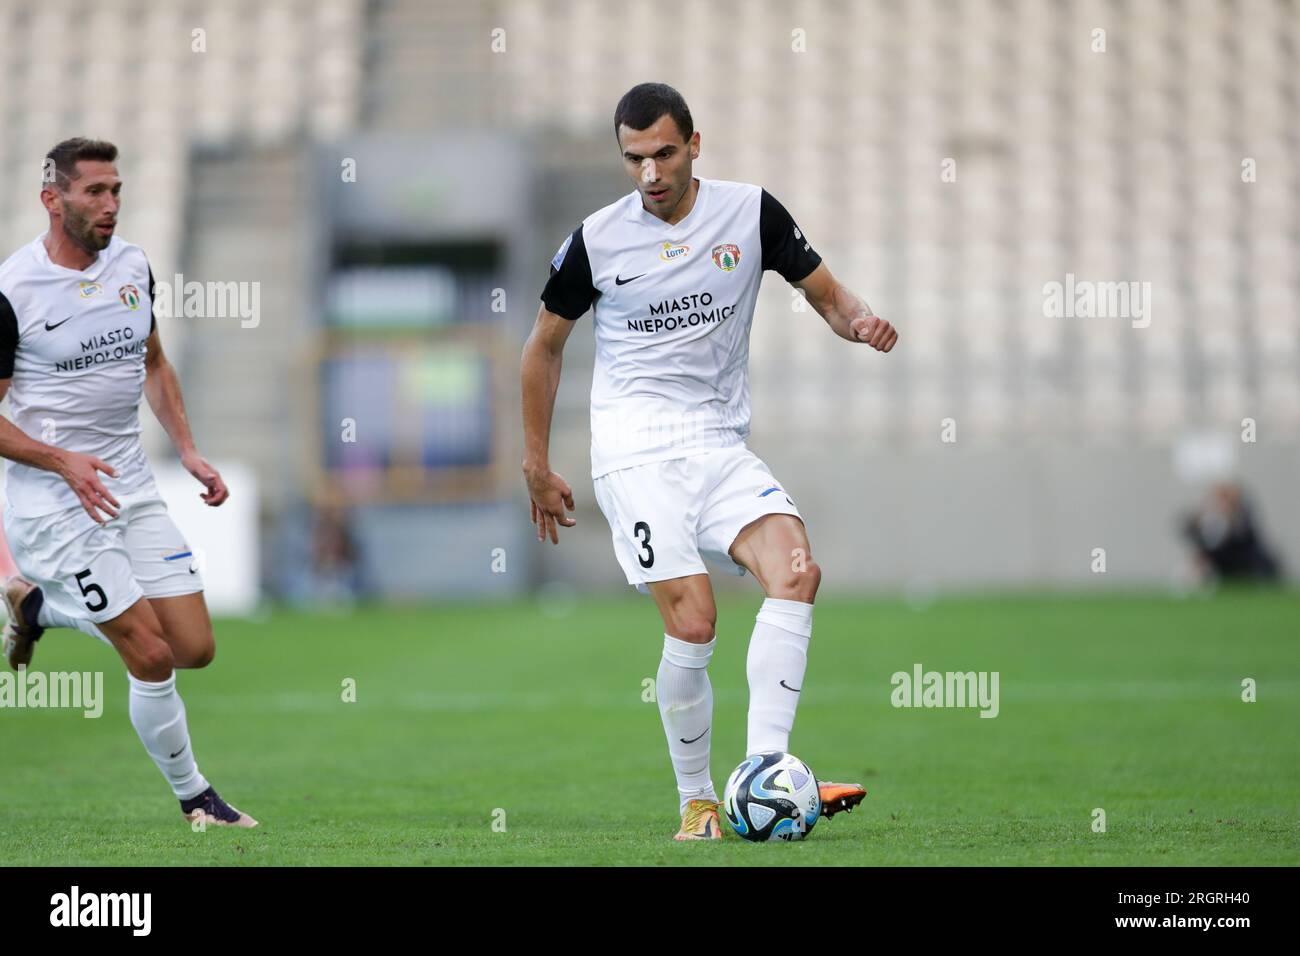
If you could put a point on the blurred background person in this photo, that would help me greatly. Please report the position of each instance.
(1228, 546)
(323, 562)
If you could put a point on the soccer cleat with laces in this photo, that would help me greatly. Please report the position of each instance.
(840, 796)
(23, 602)
(700, 821)
(213, 811)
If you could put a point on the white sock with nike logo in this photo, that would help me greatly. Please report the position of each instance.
(158, 715)
(775, 664)
(686, 705)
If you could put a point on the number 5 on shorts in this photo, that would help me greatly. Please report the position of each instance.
(90, 589)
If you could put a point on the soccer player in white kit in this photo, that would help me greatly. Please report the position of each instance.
(672, 270)
(84, 521)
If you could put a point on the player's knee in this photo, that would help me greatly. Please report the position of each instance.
(810, 582)
(196, 647)
(798, 583)
(153, 660)
(696, 629)
(198, 656)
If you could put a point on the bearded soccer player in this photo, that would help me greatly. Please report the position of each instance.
(84, 521)
(672, 271)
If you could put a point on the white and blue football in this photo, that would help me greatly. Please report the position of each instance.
(772, 796)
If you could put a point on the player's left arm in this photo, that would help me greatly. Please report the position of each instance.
(845, 312)
(162, 386)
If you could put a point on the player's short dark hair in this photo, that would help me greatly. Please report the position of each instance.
(68, 153)
(642, 105)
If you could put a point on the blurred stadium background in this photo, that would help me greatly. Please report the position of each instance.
(394, 306)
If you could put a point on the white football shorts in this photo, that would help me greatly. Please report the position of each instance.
(95, 572)
(666, 517)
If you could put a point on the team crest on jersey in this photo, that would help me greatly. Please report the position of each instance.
(726, 256)
(89, 289)
(672, 251)
(130, 297)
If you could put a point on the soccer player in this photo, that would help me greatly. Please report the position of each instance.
(96, 547)
(672, 270)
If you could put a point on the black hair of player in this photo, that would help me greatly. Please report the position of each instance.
(642, 105)
(64, 157)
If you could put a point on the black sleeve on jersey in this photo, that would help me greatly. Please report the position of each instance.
(8, 337)
(569, 291)
(153, 321)
(784, 247)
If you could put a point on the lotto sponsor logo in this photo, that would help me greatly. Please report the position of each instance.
(89, 289)
(671, 252)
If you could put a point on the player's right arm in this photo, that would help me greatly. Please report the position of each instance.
(568, 294)
(549, 494)
(78, 470)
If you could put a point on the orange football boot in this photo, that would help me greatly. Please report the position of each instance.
(840, 796)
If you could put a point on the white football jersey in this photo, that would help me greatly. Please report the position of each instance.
(673, 309)
(74, 345)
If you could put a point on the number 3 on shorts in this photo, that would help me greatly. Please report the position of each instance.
(90, 589)
(648, 559)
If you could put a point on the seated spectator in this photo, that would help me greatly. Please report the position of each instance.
(1228, 545)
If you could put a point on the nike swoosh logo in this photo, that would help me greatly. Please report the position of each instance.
(685, 741)
(51, 328)
(788, 687)
(619, 280)
(181, 751)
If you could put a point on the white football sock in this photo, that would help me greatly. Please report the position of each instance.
(49, 617)
(159, 718)
(778, 656)
(686, 706)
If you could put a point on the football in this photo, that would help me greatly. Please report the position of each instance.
(772, 796)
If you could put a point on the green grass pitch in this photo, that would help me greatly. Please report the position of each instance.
(533, 717)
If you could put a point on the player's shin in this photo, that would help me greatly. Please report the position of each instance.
(777, 658)
(158, 715)
(686, 705)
